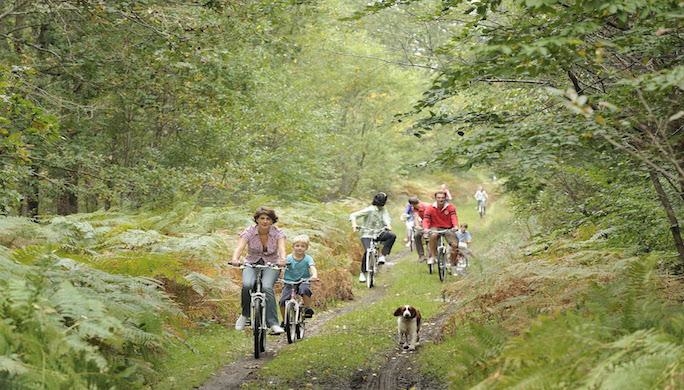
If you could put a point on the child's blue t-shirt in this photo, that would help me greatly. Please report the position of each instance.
(296, 270)
(463, 236)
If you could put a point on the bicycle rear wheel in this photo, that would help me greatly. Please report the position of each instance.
(441, 264)
(291, 323)
(258, 332)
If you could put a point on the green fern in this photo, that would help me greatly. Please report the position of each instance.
(645, 359)
(68, 326)
(199, 283)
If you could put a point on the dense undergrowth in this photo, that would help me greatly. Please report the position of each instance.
(136, 296)
(110, 299)
(567, 313)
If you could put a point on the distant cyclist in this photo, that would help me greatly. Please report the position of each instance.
(418, 209)
(441, 216)
(408, 218)
(481, 197)
(374, 218)
(446, 191)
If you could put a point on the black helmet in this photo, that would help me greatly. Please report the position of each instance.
(380, 199)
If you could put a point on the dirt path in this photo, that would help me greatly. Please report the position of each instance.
(399, 372)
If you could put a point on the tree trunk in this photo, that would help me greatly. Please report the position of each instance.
(671, 216)
(31, 202)
(67, 201)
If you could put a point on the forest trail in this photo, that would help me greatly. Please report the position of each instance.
(399, 370)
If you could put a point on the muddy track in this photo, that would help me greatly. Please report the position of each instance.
(400, 370)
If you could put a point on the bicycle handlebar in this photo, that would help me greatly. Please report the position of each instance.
(296, 281)
(257, 266)
(375, 232)
(442, 231)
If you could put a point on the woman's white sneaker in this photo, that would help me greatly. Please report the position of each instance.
(362, 277)
(241, 322)
(277, 329)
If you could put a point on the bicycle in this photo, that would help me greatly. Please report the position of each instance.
(481, 207)
(412, 239)
(295, 318)
(443, 250)
(372, 258)
(258, 309)
(462, 259)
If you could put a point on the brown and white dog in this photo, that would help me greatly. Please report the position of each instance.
(408, 326)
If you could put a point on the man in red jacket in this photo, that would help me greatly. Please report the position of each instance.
(441, 216)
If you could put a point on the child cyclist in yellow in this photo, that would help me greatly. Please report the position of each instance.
(300, 265)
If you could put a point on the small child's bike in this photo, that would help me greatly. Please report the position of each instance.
(295, 318)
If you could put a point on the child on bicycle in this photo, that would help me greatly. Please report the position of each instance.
(299, 265)
(464, 236)
(408, 218)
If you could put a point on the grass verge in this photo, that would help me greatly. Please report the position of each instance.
(188, 364)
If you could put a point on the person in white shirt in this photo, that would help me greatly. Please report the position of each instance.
(481, 197)
(374, 218)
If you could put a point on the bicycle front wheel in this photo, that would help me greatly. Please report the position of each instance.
(257, 327)
(412, 241)
(301, 328)
(370, 268)
(441, 264)
(291, 323)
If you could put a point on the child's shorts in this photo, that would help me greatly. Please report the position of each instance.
(302, 289)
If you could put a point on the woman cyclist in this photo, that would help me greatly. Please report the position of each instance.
(265, 244)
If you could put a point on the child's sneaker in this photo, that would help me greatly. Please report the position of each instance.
(431, 260)
(308, 312)
(381, 260)
(362, 277)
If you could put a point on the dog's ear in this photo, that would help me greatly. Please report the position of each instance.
(398, 311)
